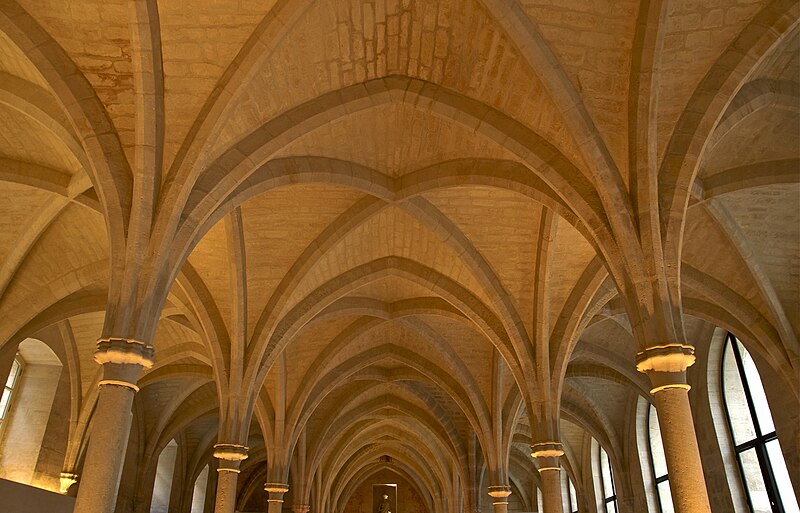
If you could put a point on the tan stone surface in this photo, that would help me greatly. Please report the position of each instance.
(367, 236)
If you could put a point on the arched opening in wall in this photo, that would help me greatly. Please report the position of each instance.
(758, 452)
(29, 403)
(199, 491)
(162, 487)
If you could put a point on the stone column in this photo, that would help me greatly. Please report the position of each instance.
(301, 508)
(546, 455)
(122, 361)
(666, 367)
(499, 495)
(230, 457)
(276, 491)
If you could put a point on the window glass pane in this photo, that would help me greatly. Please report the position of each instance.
(757, 392)
(4, 402)
(656, 445)
(611, 507)
(735, 399)
(754, 481)
(573, 498)
(665, 497)
(605, 468)
(12, 376)
(565, 498)
(785, 489)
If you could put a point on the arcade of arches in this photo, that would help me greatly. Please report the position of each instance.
(506, 255)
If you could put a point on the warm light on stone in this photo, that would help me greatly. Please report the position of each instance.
(67, 479)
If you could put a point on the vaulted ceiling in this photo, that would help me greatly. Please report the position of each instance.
(394, 220)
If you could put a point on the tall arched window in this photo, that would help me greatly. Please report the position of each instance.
(162, 487)
(199, 491)
(658, 462)
(758, 451)
(607, 490)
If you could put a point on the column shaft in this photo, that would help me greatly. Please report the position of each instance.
(551, 491)
(102, 468)
(500, 507)
(227, 479)
(685, 468)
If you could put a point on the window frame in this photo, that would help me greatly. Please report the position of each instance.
(759, 443)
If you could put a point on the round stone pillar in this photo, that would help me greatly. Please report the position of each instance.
(499, 495)
(230, 457)
(547, 455)
(122, 361)
(666, 367)
(276, 491)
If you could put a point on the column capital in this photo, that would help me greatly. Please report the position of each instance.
(547, 450)
(276, 487)
(66, 480)
(124, 351)
(499, 493)
(301, 508)
(230, 452)
(666, 365)
(546, 455)
(276, 491)
(672, 357)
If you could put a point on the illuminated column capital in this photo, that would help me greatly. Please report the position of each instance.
(301, 508)
(666, 365)
(275, 500)
(499, 493)
(276, 488)
(230, 452)
(546, 455)
(67, 479)
(124, 351)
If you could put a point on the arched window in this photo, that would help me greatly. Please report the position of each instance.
(162, 487)
(758, 451)
(607, 490)
(199, 491)
(658, 462)
(570, 497)
(8, 390)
